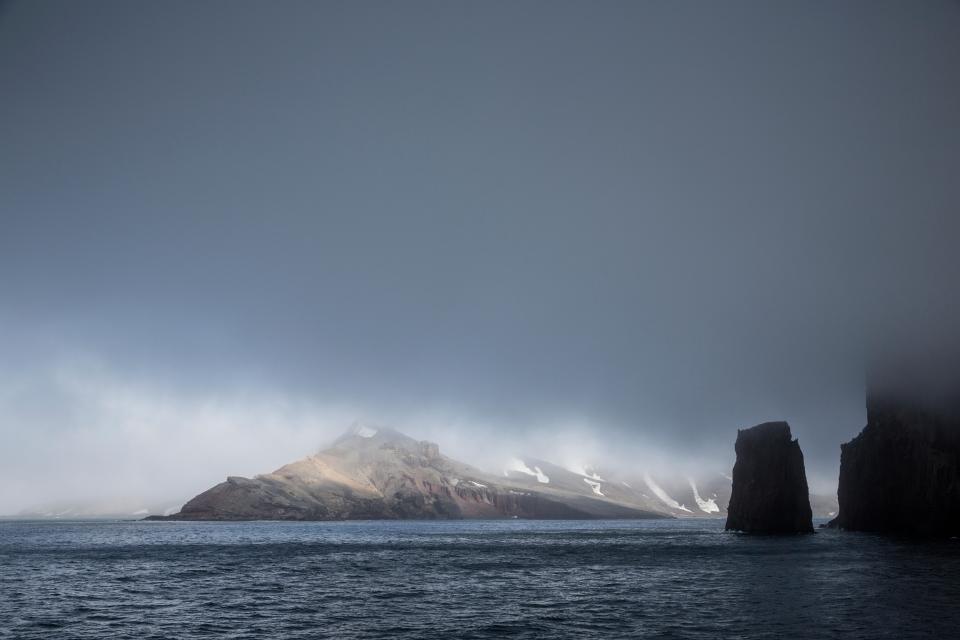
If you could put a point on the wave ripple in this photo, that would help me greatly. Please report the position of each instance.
(522, 579)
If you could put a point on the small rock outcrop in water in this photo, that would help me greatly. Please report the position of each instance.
(901, 474)
(769, 483)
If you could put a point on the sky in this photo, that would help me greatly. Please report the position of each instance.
(607, 230)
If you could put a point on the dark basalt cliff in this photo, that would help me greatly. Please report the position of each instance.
(769, 483)
(901, 474)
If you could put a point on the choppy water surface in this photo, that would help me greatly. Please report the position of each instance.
(676, 579)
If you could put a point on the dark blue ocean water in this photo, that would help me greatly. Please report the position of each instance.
(521, 579)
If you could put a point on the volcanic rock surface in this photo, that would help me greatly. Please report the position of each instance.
(770, 492)
(901, 474)
(379, 473)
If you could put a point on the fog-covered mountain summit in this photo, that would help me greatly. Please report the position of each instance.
(376, 472)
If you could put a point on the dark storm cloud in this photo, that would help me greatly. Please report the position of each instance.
(664, 220)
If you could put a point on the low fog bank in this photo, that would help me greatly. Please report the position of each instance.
(80, 433)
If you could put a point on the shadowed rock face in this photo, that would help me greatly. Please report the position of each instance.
(769, 483)
(901, 474)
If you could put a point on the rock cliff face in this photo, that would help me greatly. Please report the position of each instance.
(382, 474)
(769, 483)
(901, 474)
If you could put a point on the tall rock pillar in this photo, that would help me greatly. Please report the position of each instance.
(770, 492)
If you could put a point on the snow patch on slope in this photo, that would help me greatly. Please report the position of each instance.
(586, 471)
(519, 465)
(364, 431)
(707, 506)
(594, 485)
(663, 495)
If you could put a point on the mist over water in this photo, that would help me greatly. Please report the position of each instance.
(114, 446)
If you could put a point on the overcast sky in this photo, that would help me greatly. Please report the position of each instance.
(621, 228)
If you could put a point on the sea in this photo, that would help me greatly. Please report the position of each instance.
(468, 579)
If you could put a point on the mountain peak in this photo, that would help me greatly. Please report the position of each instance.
(377, 472)
(362, 429)
(363, 435)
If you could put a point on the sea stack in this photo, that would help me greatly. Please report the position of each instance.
(901, 474)
(770, 492)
